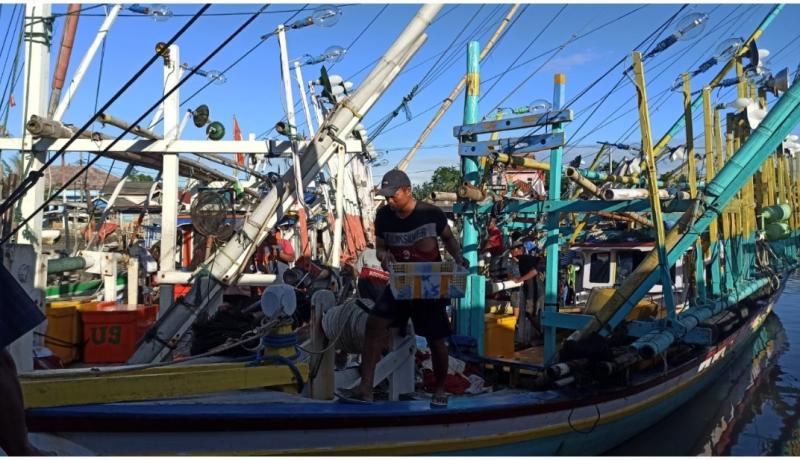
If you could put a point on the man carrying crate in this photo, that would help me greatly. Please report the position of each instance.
(407, 231)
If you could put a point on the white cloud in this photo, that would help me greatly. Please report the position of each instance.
(564, 63)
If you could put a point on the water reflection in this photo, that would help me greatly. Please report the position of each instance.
(752, 409)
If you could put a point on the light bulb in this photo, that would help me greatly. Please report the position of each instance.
(334, 53)
(690, 26)
(539, 106)
(741, 103)
(160, 13)
(326, 16)
(729, 47)
(216, 76)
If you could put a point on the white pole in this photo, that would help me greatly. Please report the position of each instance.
(287, 88)
(108, 266)
(169, 181)
(315, 104)
(337, 226)
(84, 65)
(133, 282)
(298, 74)
(37, 69)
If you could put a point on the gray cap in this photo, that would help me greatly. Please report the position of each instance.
(392, 181)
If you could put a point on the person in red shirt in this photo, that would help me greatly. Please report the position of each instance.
(407, 231)
(274, 250)
(494, 241)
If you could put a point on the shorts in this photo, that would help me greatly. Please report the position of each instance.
(428, 315)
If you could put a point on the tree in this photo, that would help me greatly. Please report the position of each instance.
(136, 176)
(444, 179)
(14, 165)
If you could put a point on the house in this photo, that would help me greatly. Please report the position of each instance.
(88, 183)
(132, 195)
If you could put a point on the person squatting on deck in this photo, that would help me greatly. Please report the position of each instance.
(407, 231)
(18, 315)
(531, 299)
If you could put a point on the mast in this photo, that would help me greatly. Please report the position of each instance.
(37, 38)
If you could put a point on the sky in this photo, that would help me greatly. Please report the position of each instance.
(544, 39)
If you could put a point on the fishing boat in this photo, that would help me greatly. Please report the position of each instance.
(654, 321)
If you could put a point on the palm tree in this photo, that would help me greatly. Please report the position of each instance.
(12, 166)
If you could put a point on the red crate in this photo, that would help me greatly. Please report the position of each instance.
(111, 333)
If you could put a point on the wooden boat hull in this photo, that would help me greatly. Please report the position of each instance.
(505, 423)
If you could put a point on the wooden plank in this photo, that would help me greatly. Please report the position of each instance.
(513, 145)
(155, 383)
(525, 121)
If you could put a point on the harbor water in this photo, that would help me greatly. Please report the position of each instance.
(752, 409)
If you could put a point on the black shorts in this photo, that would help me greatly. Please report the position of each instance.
(428, 315)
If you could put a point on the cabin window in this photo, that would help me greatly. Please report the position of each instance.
(600, 268)
(627, 261)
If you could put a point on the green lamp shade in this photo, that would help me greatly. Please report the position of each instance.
(215, 131)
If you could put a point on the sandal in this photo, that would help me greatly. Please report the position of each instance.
(350, 396)
(439, 402)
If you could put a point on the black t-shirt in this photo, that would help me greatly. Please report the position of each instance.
(406, 238)
(527, 263)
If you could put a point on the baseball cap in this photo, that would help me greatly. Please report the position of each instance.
(392, 181)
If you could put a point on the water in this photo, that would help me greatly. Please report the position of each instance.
(752, 409)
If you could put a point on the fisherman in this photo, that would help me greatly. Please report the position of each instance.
(494, 239)
(531, 298)
(407, 230)
(18, 315)
(275, 254)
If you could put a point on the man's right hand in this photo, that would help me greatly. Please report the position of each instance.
(388, 259)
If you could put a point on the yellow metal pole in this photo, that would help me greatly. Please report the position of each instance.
(709, 160)
(652, 182)
(687, 115)
(720, 159)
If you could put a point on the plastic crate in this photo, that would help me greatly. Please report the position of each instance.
(112, 332)
(64, 333)
(427, 280)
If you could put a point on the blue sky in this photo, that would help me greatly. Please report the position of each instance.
(253, 89)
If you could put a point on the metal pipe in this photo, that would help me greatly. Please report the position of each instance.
(444, 196)
(657, 341)
(575, 176)
(523, 162)
(470, 192)
(632, 194)
(246, 279)
(53, 129)
(87, 59)
(338, 223)
(137, 130)
(68, 264)
(299, 77)
(64, 54)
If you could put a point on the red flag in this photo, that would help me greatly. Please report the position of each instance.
(11, 101)
(237, 136)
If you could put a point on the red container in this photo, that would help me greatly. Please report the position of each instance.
(180, 290)
(112, 331)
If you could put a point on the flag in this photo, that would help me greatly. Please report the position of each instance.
(237, 136)
(11, 101)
